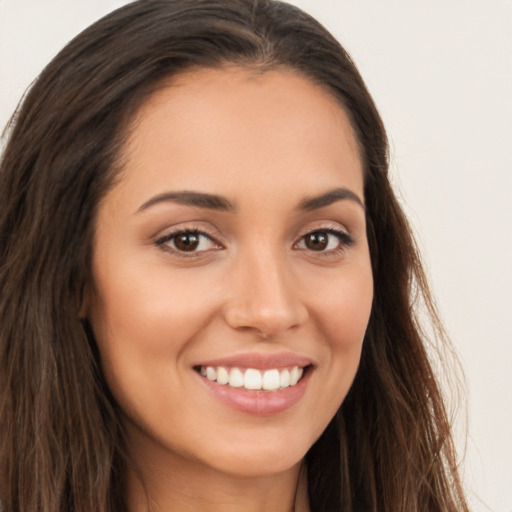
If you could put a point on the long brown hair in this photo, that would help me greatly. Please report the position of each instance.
(389, 447)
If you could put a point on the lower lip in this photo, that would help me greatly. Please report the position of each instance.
(259, 402)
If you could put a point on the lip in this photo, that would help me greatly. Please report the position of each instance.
(259, 361)
(259, 402)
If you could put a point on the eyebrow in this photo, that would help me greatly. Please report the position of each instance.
(189, 198)
(220, 203)
(328, 198)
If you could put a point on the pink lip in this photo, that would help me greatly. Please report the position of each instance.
(259, 402)
(259, 361)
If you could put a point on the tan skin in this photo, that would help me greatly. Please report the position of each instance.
(274, 273)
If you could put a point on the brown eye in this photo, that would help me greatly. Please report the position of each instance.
(327, 241)
(317, 241)
(186, 241)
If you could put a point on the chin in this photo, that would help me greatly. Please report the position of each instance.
(259, 455)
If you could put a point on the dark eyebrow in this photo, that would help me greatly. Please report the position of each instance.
(328, 198)
(189, 198)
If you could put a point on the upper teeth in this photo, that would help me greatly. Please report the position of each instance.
(268, 380)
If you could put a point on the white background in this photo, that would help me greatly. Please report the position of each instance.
(441, 74)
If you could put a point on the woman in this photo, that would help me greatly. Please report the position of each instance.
(207, 282)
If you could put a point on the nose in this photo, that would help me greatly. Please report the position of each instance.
(265, 298)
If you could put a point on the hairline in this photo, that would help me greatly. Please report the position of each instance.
(132, 115)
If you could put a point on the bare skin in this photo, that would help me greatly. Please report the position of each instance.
(207, 490)
(235, 238)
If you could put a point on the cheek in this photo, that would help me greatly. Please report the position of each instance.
(344, 306)
(142, 320)
(143, 300)
(342, 315)
(144, 329)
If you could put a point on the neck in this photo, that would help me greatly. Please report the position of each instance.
(179, 485)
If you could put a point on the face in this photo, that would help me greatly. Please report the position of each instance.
(232, 278)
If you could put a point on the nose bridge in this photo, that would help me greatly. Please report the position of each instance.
(265, 294)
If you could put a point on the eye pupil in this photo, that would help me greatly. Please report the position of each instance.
(186, 241)
(317, 241)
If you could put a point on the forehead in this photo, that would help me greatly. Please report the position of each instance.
(222, 128)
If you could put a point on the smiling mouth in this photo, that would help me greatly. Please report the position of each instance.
(252, 379)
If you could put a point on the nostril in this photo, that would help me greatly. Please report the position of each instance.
(265, 323)
(264, 297)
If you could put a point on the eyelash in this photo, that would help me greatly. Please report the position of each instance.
(344, 241)
(173, 235)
